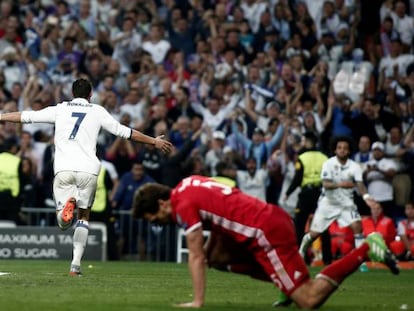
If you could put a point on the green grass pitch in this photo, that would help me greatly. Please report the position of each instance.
(144, 286)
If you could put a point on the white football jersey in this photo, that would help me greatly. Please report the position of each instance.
(77, 125)
(333, 170)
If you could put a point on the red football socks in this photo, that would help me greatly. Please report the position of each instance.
(341, 268)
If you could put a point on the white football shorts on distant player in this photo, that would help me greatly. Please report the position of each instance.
(80, 185)
(326, 213)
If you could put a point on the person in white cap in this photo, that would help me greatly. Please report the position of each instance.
(378, 174)
(216, 153)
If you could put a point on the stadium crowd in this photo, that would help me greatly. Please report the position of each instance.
(235, 85)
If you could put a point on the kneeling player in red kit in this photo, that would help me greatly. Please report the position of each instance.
(247, 236)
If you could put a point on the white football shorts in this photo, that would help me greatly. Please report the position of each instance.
(80, 185)
(326, 213)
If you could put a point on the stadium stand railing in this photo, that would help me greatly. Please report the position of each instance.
(160, 243)
(182, 250)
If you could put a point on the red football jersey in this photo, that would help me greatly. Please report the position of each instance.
(201, 201)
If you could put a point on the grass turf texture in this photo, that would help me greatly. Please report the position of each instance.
(45, 285)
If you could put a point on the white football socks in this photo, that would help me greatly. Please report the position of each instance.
(80, 237)
(359, 239)
(304, 244)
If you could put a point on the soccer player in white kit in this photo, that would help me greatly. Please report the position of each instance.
(76, 166)
(340, 175)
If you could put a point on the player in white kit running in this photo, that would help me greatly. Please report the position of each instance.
(76, 166)
(340, 175)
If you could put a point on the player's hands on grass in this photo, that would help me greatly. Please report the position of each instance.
(192, 304)
(162, 144)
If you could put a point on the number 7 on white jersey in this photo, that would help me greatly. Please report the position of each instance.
(80, 116)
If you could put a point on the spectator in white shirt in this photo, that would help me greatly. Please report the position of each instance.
(395, 64)
(126, 43)
(403, 23)
(135, 105)
(156, 45)
(216, 152)
(253, 181)
(330, 18)
(252, 10)
(215, 113)
(379, 174)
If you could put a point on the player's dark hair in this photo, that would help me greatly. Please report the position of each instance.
(81, 88)
(347, 139)
(146, 199)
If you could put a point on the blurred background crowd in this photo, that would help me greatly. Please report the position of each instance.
(238, 86)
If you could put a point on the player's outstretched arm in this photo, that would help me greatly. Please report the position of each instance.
(11, 117)
(159, 142)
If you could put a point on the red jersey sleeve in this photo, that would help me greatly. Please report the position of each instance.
(186, 214)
